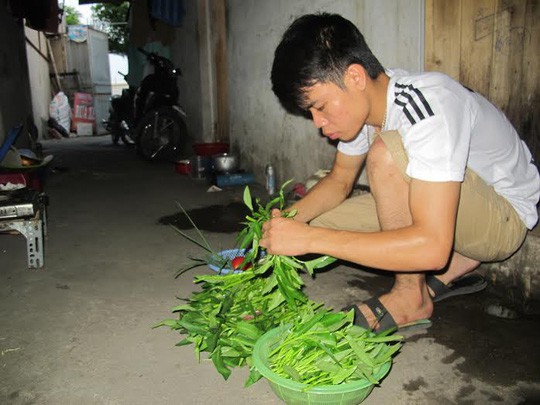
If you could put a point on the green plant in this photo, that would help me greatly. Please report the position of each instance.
(112, 18)
(73, 16)
(227, 317)
(285, 270)
(232, 311)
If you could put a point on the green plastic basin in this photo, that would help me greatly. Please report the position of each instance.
(295, 393)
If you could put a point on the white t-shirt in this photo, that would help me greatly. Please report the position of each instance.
(446, 127)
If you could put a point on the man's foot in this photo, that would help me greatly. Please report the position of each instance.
(385, 321)
(468, 284)
(395, 309)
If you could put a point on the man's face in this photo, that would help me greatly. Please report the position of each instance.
(339, 112)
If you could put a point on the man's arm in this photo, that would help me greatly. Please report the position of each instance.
(330, 191)
(424, 245)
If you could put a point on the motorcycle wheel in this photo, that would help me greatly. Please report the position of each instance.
(161, 134)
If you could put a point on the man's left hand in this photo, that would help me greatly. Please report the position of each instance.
(285, 236)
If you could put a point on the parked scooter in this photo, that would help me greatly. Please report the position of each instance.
(121, 119)
(160, 129)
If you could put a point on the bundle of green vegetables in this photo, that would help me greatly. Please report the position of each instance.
(326, 348)
(232, 311)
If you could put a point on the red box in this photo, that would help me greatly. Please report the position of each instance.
(83, 110)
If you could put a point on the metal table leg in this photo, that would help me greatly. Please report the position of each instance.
(32, 230)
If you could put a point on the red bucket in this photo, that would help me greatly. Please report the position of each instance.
(209, 149)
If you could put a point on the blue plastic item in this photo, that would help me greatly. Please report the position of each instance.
(235, 179)
(12, 135)
(228, 255)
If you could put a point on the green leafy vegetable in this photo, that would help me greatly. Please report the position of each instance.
(325, 348)
(231, 312)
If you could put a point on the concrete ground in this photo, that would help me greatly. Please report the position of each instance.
(79, 331)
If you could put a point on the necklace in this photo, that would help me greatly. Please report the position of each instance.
(383, 122)
(369, 135)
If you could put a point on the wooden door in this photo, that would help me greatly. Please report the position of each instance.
(493, 47)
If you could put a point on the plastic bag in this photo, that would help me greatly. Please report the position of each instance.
(59, 110)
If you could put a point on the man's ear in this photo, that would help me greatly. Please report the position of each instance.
(357, 76)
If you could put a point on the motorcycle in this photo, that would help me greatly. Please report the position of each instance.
(160, 130)
(121, 118)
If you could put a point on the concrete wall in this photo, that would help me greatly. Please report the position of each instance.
(15, 105)
(186, 54)
(260, 130)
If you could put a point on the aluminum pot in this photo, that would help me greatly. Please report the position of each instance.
(225, 163)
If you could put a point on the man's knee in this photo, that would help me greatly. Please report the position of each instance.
(357, 214)
(381, 164)
(379, 157)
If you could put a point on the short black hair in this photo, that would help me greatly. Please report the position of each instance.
(317, 48)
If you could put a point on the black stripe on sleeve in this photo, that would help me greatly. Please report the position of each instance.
(412, 102)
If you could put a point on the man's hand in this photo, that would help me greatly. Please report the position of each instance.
(285, 236)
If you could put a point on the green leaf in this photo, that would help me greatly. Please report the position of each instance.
(172, 323)
(247, 198)
(228, 351)
(271, 283)
(187, 268)
(324, 337)
(184, 342)
(384, 357)
(328, 366)
(290, 214)
(185, 235)
(362, 356)
(212, 341)
(203, 239)
(249, 330)
(276, 300)
(192, 328)
(183, 307)
(334, 321)
(292, 372)
(289, 261)
(307, 325)
(342, 375)
(220, 365)
(254, 376)
(318, 263)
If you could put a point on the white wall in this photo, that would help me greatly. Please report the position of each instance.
(260, 130)
(118, 63)
(40, 83)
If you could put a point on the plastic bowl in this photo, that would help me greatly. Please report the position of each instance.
(295, 393)
(228, 255)
(225, 162)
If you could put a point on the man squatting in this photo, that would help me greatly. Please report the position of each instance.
(451, 183)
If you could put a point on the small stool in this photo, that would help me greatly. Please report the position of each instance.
(34, 230)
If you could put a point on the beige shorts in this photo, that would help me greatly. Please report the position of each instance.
(487, 228)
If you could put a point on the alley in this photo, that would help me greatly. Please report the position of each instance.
(79, 331)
